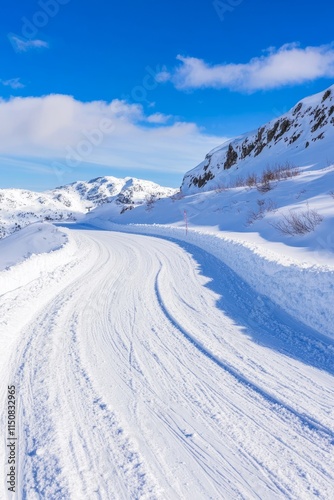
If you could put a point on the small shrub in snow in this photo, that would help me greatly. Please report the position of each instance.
(251, 180)
(264, 206)
(298, 222)
(276, 173)
(264, 187)
(263, 181)
(268, 175)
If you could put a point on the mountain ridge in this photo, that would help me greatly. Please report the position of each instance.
(295, 136)
(20, 207)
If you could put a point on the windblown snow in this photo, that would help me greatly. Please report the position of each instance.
(177, 344)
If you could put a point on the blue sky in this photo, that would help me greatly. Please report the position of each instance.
(172, 79)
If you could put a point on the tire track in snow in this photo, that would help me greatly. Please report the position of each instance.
(278, 405)
(72, 445)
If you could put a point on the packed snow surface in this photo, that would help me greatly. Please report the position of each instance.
(147, 368)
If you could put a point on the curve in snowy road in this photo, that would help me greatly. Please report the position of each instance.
(152, 371)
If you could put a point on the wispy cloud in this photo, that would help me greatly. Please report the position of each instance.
(288, 65)
(21, 164)
(23, 45)
(14, 83)
(112, 134)
(158, 118)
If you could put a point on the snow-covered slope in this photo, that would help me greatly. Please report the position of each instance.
(256, 214)
(32, 240)
(19, 208)
(303, 136)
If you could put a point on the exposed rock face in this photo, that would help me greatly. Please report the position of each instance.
(202, 180)
(231, 157)
(308, 123)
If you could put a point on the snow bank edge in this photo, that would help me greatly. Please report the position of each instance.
(307, 294)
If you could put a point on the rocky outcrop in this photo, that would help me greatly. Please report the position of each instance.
(311, 120)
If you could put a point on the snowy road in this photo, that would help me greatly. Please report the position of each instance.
(147, 369)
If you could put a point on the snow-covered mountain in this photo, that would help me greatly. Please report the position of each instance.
(19, 208)
(303, 136)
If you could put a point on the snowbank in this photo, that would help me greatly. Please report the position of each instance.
(34, 239)
(305, 291)
(28, 253)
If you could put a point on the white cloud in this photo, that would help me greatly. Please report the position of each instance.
(287, 65)
(23, 45)
(14, 83)
(158, 118)
(116, 135)
(163, 76)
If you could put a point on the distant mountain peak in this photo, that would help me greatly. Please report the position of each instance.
(20, 207)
